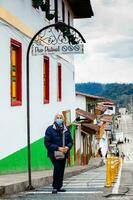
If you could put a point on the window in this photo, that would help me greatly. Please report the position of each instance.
(68, 18)
(63, 11)
(16, 74)
(59, 86)
(46, 80)
(110, 108)
(47, 2)
(56, 10)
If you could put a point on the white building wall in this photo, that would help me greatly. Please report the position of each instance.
(13, 118)
(110, 111)
(78, 139)
(13, 125)
(82, 144)
(80, 102)
(23, 10)
(122, 111)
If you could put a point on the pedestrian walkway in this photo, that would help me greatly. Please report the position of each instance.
(88, 182)
(82, 186)
(14, 183)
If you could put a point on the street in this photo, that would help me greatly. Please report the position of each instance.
(127, 128)
(126, 177)
(127, 148)
(86, 185)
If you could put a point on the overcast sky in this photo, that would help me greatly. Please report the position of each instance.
(108, 53)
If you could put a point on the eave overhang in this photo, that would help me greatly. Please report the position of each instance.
(89, 96)
(81, 8)
(87, 115)
(89, 128)
(101, 108)
(105, 118)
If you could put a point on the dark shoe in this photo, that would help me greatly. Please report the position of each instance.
(61, 190)
(54, 191)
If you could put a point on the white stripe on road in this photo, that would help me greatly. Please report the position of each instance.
(88, 182)
(67, 192)
(117, 184)
(83, 186)
(85, 181)
(76, 179)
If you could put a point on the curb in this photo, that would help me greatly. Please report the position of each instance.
(38, 182)
(122, 192)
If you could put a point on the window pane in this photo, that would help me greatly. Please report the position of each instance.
(14, 90)
(56, 10)
(16, 95)
(46, 80)
(63, 11)
(59, 86)
(14, 57)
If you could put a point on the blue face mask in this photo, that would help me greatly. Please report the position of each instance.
(59, 122)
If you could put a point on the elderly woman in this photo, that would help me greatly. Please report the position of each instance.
(58, 142)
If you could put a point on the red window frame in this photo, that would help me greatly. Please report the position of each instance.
(46, 79)
(16, 73)
(59, 82)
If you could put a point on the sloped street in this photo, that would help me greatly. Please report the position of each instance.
(87, 185)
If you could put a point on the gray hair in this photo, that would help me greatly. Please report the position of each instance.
(58, 114)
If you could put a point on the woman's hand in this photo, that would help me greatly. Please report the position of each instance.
(63, 149)
(66, 149)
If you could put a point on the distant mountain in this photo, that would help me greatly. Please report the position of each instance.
(120, 93)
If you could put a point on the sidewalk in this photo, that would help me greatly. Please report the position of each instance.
(14, 183)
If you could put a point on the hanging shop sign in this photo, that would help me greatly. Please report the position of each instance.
(61, 49)
(61, 39)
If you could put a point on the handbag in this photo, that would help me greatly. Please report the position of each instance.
(58, 155)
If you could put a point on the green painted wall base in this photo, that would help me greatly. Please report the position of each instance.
(17, 162)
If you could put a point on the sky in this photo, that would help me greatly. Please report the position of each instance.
(108, 51)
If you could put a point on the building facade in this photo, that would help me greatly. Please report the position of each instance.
(52, 83)
(86, 130)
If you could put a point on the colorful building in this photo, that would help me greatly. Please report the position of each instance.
(90, 101)
(52, 82)
(86, 130)
(94, 133)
